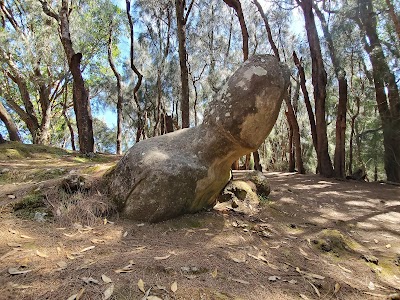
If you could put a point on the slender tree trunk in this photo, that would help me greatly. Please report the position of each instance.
(181, 19)
(81, 100)
(319, 81)
(395, 18)
(10, 125)
(268, 29)
(340, 148)
(120, 98)
(236, 5)
(386, 91)
(140, 125)
(64, 113)
(353, 124)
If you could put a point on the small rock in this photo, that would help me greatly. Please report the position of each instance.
(4, 171)
(74, 183)
(39, 216)
(11, 196)
(273, 278)
(370, 258)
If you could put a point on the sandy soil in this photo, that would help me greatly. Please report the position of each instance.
(314, 238)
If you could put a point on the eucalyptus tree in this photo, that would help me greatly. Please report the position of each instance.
(27, 61)
(386, 88)
(319, 80)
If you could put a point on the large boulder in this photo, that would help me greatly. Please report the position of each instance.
(184, 171)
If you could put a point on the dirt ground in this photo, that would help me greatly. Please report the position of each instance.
(313, 238)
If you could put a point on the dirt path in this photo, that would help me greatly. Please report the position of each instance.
(311, 240)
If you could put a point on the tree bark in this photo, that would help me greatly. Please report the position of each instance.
(64, 113)
(395, 18)
(10, 125)
(386, 91)
(319, 81)
(340, 150)
(120, 98)
(236, 5)
(353, 124)
(81, 100)
(181, 20)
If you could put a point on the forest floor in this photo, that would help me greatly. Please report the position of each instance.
(313, 238)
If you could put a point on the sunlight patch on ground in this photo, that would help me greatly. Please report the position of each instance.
(332, 214)
(288, 200)
(319, 220)
(391, 217)
(365, 225)
(361, 204)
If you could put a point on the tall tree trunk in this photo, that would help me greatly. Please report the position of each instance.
(352, 126)
(10, 125)
(340, 150)
(395, 18)
(386, 91)
(81, 100)
(120, 98)
(319, 81)
(236, 5)
(141, 124)
(64, 113)
(181, 20)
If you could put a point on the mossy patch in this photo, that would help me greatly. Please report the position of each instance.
(333, 241)
(30, 205)
(15, 150)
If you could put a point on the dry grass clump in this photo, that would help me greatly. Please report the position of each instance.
(87, 206)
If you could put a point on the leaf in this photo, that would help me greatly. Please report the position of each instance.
(15, 271)
(337, 288)
(214, 273)
(62, 264)
(153, 298)
(304, 297)
(108, 292)
(19, 286)
(240, 281)
(26, 236)
(388, 246)
(344, 269)
(97, 241)
(70, 234)
(106, 279)
(126, 269)
(315, 289)
(125, 234)
(79, 295)
(293, 281)
(174, 286)
(40, 254)
(303, 252)
(87, 249)
(105, 221)
(310, 275)
(162, 257)
(72, 297)
(141, 285)
(88, 280)
(14, 244)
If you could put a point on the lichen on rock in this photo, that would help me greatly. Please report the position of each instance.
(184, 171)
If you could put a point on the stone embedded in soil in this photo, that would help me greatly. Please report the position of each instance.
(370, 258)
(184, 171)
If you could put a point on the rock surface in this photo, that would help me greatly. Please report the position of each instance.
(184, 171)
